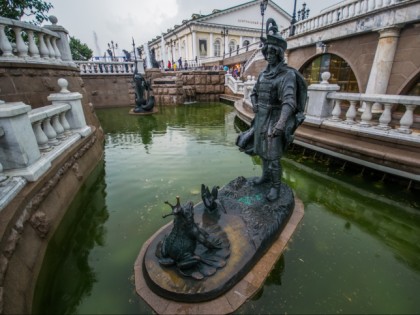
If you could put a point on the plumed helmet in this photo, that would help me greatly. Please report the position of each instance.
(273, 36)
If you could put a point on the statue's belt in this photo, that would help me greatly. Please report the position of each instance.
(269, 106)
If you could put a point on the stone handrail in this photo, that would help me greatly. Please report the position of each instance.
(239, 87)
(234, 52)
(44, 45)
(378, 115)
(368, 118)
(105, 68)
(34, 137)
(337, 14)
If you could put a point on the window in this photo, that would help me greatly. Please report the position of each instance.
(340, 70)
(232, 45)
(202, 44)
(216, 47)
(245, 43)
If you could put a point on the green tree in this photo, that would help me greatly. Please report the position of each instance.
(16, 9)
(79, 50)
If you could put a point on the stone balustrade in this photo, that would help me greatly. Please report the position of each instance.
(382, 118)
(105, 68)
(384, 115)
(32, 139)
(239, 87)
(34, 44)
(337, 14)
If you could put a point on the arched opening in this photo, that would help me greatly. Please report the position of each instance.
(341, 72)
(414, 88)
(245, 43)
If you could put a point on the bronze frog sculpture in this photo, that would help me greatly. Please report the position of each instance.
(194, 251)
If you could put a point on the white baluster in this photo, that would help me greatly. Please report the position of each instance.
(54, 46)
(43, 49)
(5, 45)
(379, 4)
(65, 123)
(336, 111)
(351, 113)
(22, 49)
(372, 5)
(407, 119)
(351, 9)
(385, 118)
(367, 115)
(33, 49)
(387, 2)
(357, 7)
(51, 52)
(40, 136)
(345, 12)
(58, 128)
(49, 131)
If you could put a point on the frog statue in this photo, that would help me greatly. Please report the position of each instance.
(195, 252)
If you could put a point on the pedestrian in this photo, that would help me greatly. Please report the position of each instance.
(180, 63)
(169, 64)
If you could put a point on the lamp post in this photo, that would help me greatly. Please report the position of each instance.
(111, 46)
(293, 21)
(263, 7)
(224, 33)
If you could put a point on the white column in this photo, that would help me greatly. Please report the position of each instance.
(211, 52)
(179, 49)
(187, 48)
(194, 45)
(226, 46)
(382, 63)
(240, 41)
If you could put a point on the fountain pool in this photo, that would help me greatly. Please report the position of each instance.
(357, 249)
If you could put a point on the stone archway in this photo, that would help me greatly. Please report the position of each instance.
(341, 71)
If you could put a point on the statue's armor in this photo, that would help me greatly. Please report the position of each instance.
(270, 95)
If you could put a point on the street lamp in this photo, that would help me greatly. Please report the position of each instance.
(113, 48)
(263, 7)
(303, 13)
(224, 33)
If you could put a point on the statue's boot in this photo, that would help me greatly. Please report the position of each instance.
(274, 193)
(265, 174)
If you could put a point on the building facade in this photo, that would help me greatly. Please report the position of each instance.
(209, 39)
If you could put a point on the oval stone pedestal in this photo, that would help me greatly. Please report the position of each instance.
(255, 247)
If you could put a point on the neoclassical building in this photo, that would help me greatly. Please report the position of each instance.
(208, 39)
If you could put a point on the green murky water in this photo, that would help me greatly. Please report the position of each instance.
(357, 249)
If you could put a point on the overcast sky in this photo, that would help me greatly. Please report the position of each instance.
(120, 20)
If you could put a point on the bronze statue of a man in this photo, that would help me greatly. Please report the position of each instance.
(278, 101)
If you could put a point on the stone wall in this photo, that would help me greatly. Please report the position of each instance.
(171, 88)
(31, 218)
(110, 90)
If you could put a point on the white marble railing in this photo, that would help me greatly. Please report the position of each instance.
(105, 68)
(33, 138)
(235, 52)
(33, 44)
(379, 115)
(239, 87)
(337, 14)
(379, 118)
(50, 125)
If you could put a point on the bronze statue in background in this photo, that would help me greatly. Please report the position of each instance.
(278, 101)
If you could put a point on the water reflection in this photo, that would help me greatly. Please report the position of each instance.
(356, 251)
(68, 253)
